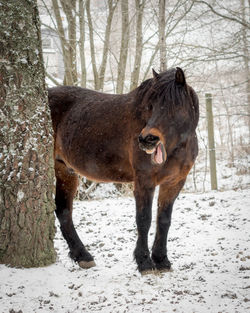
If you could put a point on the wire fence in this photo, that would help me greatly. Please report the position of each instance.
(232, 145)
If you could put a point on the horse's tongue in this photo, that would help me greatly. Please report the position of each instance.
(158, 155)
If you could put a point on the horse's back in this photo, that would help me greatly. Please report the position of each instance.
(63, 98)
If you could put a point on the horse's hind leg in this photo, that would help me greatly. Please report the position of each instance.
(66, 187)
(167, 196)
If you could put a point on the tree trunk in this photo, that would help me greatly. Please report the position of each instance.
(68, 79)
(106, 46)
(162, 42)
(69, 8)
(124, 47)
(246, 62)
(162, 39)
(82, 43)
(68, 46)
(92, 45)
(26, 168)
(138, 50)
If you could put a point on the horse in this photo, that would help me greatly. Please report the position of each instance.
(146, 136)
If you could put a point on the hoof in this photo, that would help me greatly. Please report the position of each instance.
(149, 272)
(146, 267)
(86, 264)
(164, 265)
(165, 270)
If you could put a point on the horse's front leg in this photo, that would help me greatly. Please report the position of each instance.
(143, 197)
(167, 195)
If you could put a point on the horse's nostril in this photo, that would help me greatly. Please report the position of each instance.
(151, 139)
(140, 139)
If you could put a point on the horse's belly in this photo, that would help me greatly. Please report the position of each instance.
(102, 168)
(98, 158)
(103, 173)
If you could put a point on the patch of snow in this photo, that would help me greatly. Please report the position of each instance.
(23, 60)
(208, 246)
(20, 195)
(105, 191)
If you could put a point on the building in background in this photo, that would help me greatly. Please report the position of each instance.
(52, 55)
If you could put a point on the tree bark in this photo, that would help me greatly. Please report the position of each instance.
(124, 47)
(26, 168)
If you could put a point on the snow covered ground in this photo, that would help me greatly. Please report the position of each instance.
(209, 245)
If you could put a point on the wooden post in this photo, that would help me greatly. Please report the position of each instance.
(211, 147)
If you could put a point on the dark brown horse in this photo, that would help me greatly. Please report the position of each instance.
(146, 136)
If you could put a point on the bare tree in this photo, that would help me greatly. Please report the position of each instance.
(177, 13)
(226, 13)
(162, 38)
(124, 47)
(99, 75)
(82, 43)
(92, 44)
(68, 45)
(111, 9)
(139, 5)
(69, 8)
(246, 57)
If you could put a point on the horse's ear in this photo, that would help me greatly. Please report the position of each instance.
(180, 76)
(155, 74)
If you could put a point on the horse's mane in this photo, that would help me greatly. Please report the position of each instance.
(168, 92)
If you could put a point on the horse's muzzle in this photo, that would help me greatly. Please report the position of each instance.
(152, 144)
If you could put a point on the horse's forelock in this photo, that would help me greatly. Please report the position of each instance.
(168, 93)
(164, 89)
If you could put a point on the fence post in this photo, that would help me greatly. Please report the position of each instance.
(211, 147)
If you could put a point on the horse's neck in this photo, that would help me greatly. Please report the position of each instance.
(137, 111)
